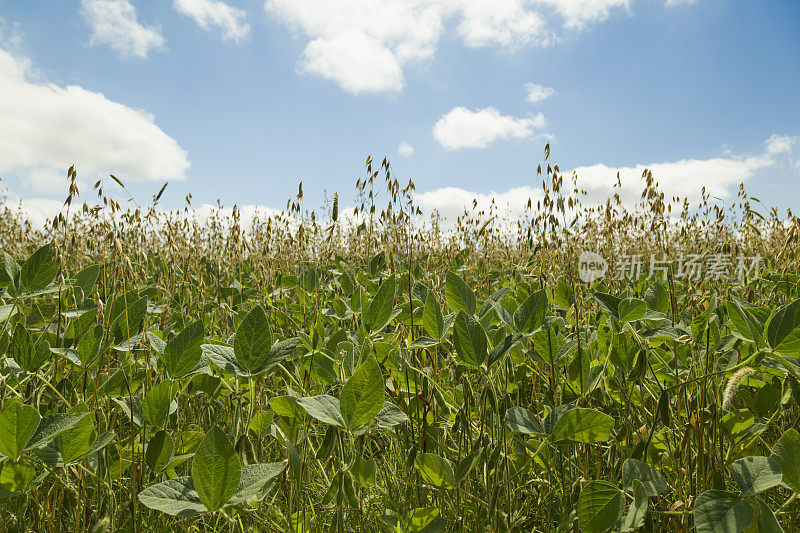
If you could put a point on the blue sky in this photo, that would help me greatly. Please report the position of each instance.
(239, 100)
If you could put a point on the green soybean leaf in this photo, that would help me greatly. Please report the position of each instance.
(29, 356)
(600, 505)
(657, 297)
(380, 308)
(52, 426)
(255, 479)
(608, 302)
(787, 453)
(435, 470)
(40, 269)
(362, 396)
(16, 476)
(182, 352)
(765, 521)
(631, 309)
(156, 403)
(176, 497)
(76, 443)
(458, 295)
(18, 423)
(432, 319)
(324, 408)
(530, 314)
(13, 271)
(634, 519)
(744, 322)
(469, 339)
(159, 451)
(756, 474)
(652, 481)
(215, 469)
(783, 330)
(363, 471)
(253, 340)
(718, 511)
(390, 416)
(521, 420)
(582, 425)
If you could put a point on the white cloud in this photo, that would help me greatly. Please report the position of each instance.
(781, 144)
(207, 13)
(115, 23)
(501, 22)
(537, 93)
(46, 128)
(684, 178)
(673, 3)
(450, 202)
(405, 149)
(463, 128)
(359, 62)
(577, 14)
(364, 45)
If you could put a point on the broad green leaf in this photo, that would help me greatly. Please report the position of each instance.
(469, 339)
(253, 340)
(608, 302)
(40, 269)
(756, 474)
(417, 520)
(783, 330)
(652, 481)
(159, 451)
(13, 271)
(530, 314)
(363, 471)
(466, 464)
(176, 497)
(53, 425)
(657, 297)
(435, 470)
(75, 443)
(182, 352)
(156, 403)
(744, 322)
(582, 425)
(255, 479)
(390, 416)
(29, 356)
(634, 519)
(600, 505)
(521, 420)
(432, 319)
(215, 469)
(324, 408)
(362, 396)
(380, 308)
(631, 309)
(718, 511)
(16, 476)
(787, 453)
(18, 424)
(458, 295)
(765, 521)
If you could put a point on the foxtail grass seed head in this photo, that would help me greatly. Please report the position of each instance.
(733, 386)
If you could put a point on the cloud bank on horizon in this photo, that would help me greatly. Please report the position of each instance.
(363, 47)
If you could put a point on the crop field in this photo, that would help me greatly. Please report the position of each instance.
(588, 368)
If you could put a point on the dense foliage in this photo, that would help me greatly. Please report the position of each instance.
(378, 372)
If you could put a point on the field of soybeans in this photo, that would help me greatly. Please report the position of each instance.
(366, 366)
